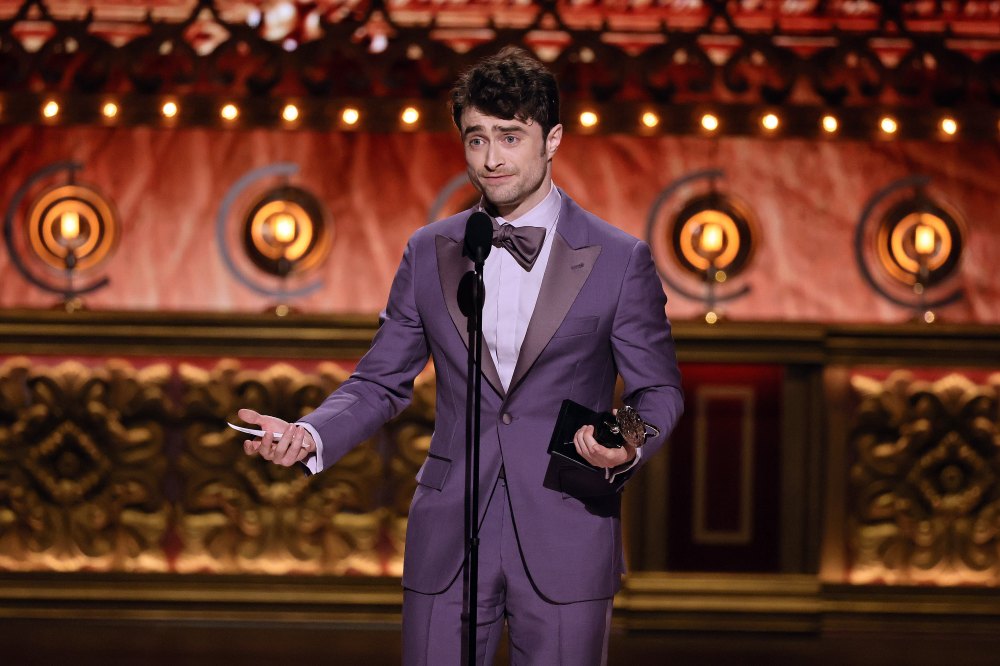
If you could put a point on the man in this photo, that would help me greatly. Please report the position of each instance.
(558, 324)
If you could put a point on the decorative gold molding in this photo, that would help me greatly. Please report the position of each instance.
(239, 514)
(926, 502)
(81, 454)
(329, 337)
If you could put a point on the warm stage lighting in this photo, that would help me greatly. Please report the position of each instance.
(588, 119)
(110, 110)
(650, 119)
(709, 122)
(949, 126)
(830, 124)
(888, 125)
(410, 115)
(229, 112)
(350, 116)
(770, 122)
(290, 113)
(169, 110)
(51, 109)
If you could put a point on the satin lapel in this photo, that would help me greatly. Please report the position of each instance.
(565, 274)
(451, 267)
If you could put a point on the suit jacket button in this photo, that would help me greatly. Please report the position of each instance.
(507, 418)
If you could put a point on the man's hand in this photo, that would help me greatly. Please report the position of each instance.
(295, 444)
(601, 456)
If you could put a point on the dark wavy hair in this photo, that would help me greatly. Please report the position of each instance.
(510, 84)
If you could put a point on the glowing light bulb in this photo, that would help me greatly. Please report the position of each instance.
(711, 238)
(650, 119)
(949, 126)
(290, 113)
(888, 125)
(924, 239)
(770, 122)
(830, 124)
(410, 115)
(709, 122)
(350, 116)
(229, 112)
(284, 228)
(69, 225)
(110, 109)
(51, 109)
(588, 119)
(169, 109)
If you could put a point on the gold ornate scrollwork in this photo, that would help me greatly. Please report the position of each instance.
(241, 514)
(925, 481)
(82, 466)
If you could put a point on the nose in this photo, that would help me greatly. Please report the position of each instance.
(494, 160)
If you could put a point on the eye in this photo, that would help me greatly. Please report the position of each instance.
(510, 139)
(475, 142)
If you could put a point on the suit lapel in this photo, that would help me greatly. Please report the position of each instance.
(565, 274)
(451, 267)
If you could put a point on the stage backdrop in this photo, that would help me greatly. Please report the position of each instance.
(168, 186)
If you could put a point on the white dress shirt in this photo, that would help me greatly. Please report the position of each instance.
(511, 291)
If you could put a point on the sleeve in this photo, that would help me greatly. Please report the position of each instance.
(312, 461)
(644, 351)
(382, 384)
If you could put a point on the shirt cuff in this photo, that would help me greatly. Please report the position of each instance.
(314, 461)
(611, 476)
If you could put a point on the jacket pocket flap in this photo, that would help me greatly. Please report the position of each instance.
(577, 326)
(433, 472)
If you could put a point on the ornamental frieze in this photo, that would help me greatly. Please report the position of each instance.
(82, 466)
(242, 514)
(926, 502)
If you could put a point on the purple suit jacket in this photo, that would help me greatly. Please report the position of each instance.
(600, 313)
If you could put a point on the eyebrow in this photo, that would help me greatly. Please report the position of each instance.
(501, 129)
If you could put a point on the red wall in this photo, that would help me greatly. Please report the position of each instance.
(807, 195)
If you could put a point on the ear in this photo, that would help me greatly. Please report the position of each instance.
(553, 140)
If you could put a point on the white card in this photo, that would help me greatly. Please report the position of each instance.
(252, 431)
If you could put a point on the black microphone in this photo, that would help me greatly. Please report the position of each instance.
(478, 237)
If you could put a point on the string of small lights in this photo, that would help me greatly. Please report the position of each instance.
(387, 115)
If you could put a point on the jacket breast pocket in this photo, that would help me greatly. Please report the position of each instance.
(576, 326)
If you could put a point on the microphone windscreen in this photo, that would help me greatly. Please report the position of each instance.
(465, 292)
(478, 236)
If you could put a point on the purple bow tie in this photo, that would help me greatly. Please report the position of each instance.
(523, 243)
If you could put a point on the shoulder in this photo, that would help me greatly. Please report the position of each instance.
(450, 227)
(585, 228)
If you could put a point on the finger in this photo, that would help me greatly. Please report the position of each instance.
(251, 446)
(249, 415)
(265, 446)
(308, 443)
(282, 446)
(585, 445)
(294, 447)
(578, 441)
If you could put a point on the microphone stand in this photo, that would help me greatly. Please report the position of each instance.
(471, 296)
(473, 413)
